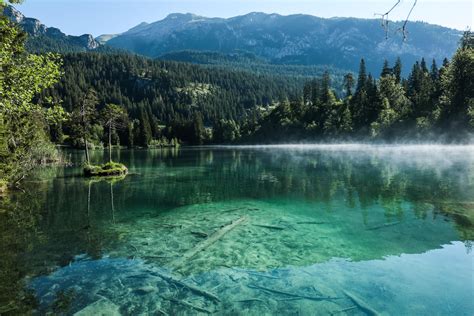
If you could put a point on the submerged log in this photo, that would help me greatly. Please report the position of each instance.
(293, 295)
(270, 226)
(250, 300)
(263, 275)
(234, 209)
(192, 288)
(344, 310)
(311, 223)
(207, 242)
(384, 225)
(361, 304)
(170, 226)
(199, 234)
(184, 303)
(161, 312)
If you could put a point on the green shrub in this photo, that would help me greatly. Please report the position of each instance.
(109, 169)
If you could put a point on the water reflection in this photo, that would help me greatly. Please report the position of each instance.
(163, 180)
(316, 203)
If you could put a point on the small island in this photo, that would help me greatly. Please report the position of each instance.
(109, 169)
(114, 118)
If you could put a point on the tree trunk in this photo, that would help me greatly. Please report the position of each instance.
(112, 201)
(110, 142)
(87, 151)
(89, 202)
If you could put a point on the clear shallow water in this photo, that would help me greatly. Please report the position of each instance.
(297, 230)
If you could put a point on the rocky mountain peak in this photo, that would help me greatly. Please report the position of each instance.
(13, 14)
(35, 29)
(88, 41)
(182, 17)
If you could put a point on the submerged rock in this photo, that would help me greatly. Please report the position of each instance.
(145, 290)
(102, 307)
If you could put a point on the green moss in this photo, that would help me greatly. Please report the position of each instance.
(110, 169)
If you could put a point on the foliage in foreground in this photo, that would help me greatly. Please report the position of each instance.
(24, 140)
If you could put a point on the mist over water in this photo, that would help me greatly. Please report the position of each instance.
(317, 226)
(368, 148)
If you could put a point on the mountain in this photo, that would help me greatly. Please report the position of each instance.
(294, 39)
(46, 39)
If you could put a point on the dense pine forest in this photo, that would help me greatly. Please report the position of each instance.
(164, 98)
(249, 62)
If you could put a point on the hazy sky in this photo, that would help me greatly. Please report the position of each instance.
(114, 16)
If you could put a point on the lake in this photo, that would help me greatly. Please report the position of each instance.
(270, 230)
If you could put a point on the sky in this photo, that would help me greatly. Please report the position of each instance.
(116, 16)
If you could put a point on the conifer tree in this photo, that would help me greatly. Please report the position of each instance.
(145, 134)
(362, 79)
(386, 70)
(397, 70)
(348, 84)
(114, 118)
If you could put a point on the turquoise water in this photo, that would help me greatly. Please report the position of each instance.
(275, 230)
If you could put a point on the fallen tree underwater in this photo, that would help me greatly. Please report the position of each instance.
(190, 254)
(177, 264)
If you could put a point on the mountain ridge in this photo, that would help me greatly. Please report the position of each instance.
(292, 39)
(42, 38)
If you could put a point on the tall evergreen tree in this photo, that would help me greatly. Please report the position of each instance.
(326, 88)
(458, 87)
(386, 70)
(114, 118)
(348, 84)
(362, 79)
(397, 70)
(145, 133)
(198, 129)
(434, 71)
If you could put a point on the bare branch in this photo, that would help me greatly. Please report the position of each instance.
(384, 17)
(385, 20)
(403, 29)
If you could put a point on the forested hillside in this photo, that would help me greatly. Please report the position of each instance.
(162, 93)
(251, 63)
(168, 90)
